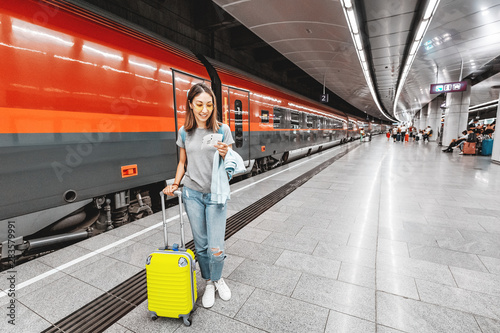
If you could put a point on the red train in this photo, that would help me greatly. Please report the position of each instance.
(90, 109)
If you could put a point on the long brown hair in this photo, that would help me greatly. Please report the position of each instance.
(190, 122)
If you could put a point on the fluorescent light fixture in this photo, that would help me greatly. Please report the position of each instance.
(362, 56)
(357, 40)
(430, 9)
(352, 21)
(347, 3)
(350, 16)
(429, 12)
(421, 29)
(414, 47)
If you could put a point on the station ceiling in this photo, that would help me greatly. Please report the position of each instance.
(462, 41)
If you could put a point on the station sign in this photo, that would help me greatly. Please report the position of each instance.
(440, 88)
(324, 98)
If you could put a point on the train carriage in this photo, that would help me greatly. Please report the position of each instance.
(90, 111)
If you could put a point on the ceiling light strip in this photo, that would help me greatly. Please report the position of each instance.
(350, 15)
(430, 10)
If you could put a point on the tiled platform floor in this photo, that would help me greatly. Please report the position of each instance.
(392, 237)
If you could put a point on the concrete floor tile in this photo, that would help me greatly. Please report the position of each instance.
(414, 316)
(58, 299)
(352, 255)
(446, 257)
(358, 275)
(240, 293)
(336, 295)
(275, 279)
(252, 234)
(260, 252)
(117, 328)
(134, 254)
(459, 299)
(21, 319)
(139, 321)
(271, 312)
(26, 272)
(342, 323)
(477, 281)
(492, 264)
(309, 264)
(415, 268)
(488, 325)
(106, 273)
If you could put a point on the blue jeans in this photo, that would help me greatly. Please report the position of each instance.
(208, 223)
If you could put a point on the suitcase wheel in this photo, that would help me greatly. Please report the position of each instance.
(187, 320)
(153, 315)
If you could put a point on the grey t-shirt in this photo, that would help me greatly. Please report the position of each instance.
(198, 175)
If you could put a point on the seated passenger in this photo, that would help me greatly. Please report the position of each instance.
(490, 129)
(427, 133)
(456, 142)
(476, 126)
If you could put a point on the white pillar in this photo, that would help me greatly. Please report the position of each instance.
(495, 155)
(423, 118)
(434, 119)
(457, 114)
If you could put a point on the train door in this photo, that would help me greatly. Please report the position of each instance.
(237, 102)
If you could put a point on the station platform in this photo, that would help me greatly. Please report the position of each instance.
(383, 237)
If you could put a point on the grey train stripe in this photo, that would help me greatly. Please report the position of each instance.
(107, 309)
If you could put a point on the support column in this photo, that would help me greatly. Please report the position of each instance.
(457, 114)
(495, 156)
(423, 118)
(416, 120)
(434, 119)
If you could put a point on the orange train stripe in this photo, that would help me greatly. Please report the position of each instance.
(50, 121)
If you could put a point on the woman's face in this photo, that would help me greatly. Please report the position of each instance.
(202, 106)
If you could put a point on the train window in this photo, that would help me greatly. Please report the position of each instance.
(310, 121)
(278, 116)
(321, 122)
(337, 124)
(295, 120)
(238, 123)
(264, 116)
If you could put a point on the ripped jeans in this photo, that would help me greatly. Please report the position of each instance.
(208, 223)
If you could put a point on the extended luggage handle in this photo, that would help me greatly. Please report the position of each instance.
(178, 193)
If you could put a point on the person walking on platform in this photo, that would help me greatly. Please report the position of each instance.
(394, 134)
(206, 215)
(388, 134)
(403, 133)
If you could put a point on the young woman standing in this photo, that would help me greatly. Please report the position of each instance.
(207, 217)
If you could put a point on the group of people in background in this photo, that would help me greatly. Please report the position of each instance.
(404, 134)
(475, 133)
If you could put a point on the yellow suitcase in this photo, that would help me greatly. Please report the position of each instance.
(171, 276)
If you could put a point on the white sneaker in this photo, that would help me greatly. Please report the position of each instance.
(208, 298)
(223, 289)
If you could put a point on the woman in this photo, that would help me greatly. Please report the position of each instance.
(207, 217)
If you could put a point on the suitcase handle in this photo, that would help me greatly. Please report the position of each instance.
(178, 193)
